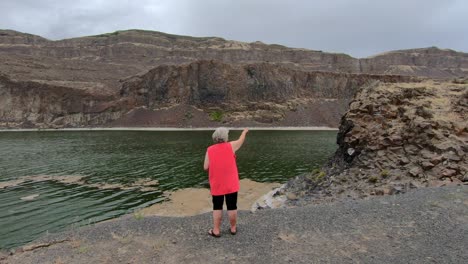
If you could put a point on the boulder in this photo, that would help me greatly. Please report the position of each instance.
(404, 160)
(426, 165)
(415, 171)
(449, 173)
(451, 156)
(437, 159)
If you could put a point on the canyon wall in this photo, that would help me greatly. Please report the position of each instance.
(155, 79)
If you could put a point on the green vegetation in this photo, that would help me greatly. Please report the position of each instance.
(373, 179)
(460, 81)
(138, 216)
(320, 175)
(217, 115)
(384, 173)
(316, 175)
(251, 72)
(83, 249)
(315, 171)
(188, 115)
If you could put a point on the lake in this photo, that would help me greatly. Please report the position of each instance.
(51, 181)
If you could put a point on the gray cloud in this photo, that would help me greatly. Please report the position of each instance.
(357, 27)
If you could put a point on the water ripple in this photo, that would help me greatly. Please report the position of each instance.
(123, 158)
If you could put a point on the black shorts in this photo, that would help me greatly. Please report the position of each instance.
(231, 201)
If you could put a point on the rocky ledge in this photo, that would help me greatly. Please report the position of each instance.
(394, 137)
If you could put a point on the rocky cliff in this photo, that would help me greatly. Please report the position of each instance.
(157, 79)
(201, 93)
(256, 93)
(28, 104)
(430, 62)
(393, 138)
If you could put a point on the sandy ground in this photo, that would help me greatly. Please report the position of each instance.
(193, 201)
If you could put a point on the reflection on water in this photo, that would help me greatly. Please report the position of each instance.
(119, 160)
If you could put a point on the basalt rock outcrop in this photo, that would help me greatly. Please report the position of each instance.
(265, 93)
(27, 104)
(393, 138)
(177, 87)
(259, 94)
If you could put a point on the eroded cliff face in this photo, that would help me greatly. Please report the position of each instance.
(260, 93)
(151, 48)
(105, 59)
(430, 62)
(157, 79)
(393, 138)
(32, 104)
(256, 94)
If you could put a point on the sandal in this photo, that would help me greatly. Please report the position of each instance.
(232, 233)
(210, 232)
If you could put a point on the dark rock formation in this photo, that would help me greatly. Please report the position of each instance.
(259, 94)
(26, 104)
(263, 92)
(395, 137)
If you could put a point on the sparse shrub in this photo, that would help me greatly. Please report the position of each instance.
(315, 171)
(373, 179)
(316, 175)
(424, 112)
(251, 72)
(138, 216)
(217, 116)
(384, 173)
(188, 115)
(83, 249)
(320, 175)
(460, 81)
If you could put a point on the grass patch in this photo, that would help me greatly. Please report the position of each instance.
(373, 179)
(384, 173)
(83, 249)
(217, 116)
(320, 175)
(316, 175)
(138, 216)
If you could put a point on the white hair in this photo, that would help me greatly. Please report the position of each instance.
(220, 135)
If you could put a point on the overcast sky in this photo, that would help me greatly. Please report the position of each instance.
(357, 27)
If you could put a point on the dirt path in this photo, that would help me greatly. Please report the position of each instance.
(428, 225)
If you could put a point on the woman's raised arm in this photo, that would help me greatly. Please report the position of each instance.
(238, 143)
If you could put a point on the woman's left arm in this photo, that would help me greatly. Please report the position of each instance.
(206, 165)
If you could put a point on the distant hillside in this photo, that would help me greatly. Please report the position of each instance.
(101, 65)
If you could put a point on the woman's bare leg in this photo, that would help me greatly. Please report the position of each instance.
(233, 219)
(217, 219)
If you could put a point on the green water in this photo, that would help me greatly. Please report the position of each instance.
(175, 159)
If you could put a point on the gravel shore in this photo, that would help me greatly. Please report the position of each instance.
(428, 225)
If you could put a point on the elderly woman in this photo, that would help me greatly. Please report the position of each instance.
(220, 161)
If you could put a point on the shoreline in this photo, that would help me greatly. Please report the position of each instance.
(356, 231)
(312, 128)
(196, 201)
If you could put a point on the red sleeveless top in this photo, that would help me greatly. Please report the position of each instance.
(222, 171)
